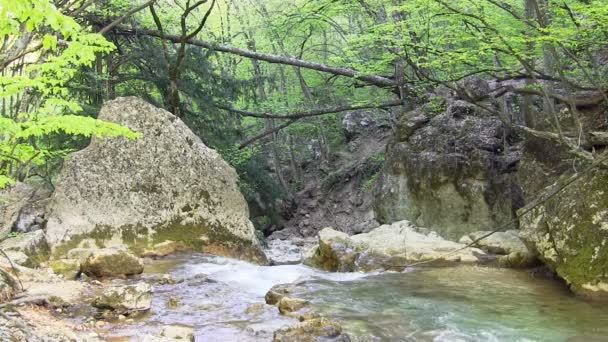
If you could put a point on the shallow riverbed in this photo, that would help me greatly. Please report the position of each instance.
(430, 304)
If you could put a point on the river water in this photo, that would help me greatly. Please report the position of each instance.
(222, 299)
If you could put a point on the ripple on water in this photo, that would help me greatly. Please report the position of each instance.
(436, 304)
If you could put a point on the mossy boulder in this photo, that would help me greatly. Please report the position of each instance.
(166, 185)
(112, 262)
(68, 268)
(290, 304)
(570, 233)
(311, 330)
(178, 333)
(125, 299)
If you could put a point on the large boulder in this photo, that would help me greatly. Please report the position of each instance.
(450, 168)
(570, 233)
(166, 185)
(387, 247)
(357, 122)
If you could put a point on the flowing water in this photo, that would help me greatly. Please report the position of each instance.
(432, 304)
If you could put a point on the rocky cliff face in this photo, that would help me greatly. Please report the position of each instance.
(167, 185)
(450, 166)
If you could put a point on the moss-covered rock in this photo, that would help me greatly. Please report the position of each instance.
(570, 233)
(315, 329)
(125, 298)
(289, 304)
(68, 268)
(112, 262)
(165, 186)
(274, 295)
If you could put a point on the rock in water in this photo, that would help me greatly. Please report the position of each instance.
(166, 185)
(178, 332)
(125, 298)
(112, 262)
(570, 233)
(386, 247)
(316, 329)
(511, 250)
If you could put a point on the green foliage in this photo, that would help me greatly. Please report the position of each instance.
(46, 106)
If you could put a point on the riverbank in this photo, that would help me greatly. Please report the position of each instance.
(223, 299)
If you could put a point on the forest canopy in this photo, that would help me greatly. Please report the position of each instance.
(266, 82)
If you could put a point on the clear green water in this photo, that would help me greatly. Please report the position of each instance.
(460, 304)
(433, 304)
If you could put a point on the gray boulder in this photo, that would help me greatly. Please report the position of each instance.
(387, 247)
(510, 249)
(125, 298)
(475, 88)
(357, 122)
(166, 185)
(450, 172)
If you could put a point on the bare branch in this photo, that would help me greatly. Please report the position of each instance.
(125, 16)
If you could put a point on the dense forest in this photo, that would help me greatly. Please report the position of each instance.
(265, 82)
(465, 119)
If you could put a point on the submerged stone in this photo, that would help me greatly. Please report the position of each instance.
(178, 332)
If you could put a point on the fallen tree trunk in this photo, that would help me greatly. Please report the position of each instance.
(341, 71)
(316, 112)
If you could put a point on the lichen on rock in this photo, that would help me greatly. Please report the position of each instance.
(570, 233)
(166, 185)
